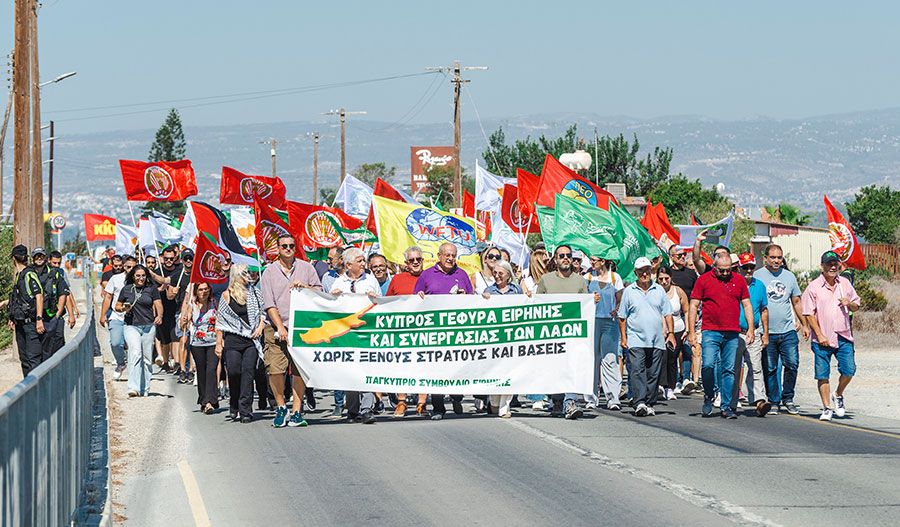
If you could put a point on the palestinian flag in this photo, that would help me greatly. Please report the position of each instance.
(206, 220)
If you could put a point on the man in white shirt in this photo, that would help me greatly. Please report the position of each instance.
(355, 280)
(116, 320)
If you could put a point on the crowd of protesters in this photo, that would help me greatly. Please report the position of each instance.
(728, 328)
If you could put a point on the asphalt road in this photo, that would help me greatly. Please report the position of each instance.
(605, 469)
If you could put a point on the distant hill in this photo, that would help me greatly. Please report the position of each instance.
(759, 160)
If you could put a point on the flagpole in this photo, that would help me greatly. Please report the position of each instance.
(131, 210)
(525, 238)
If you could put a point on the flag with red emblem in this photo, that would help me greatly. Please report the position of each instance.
(238, 189)
(159, 181)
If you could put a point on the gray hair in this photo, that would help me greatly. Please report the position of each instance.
(350, 255)
(503, 264)
(412, 249)
(446, 244)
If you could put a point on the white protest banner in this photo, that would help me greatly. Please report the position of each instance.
(444, 343)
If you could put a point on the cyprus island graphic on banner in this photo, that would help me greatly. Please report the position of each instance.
(500, 345)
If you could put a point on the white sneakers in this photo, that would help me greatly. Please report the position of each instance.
(688, 387)
(838, 402)
(642, 410)
(826, 415)
(670, 394)
(717, 402)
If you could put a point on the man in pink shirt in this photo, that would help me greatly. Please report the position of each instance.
(827, 304)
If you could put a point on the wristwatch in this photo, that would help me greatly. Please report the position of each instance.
(39, 317)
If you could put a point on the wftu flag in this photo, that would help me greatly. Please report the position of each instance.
(238, 189)
(159, 181)
(99, 228)
(354, 197)
(402, 225)
(843, 240)
(557, 178)
(126, 239)
(209, 263)
(269, 228)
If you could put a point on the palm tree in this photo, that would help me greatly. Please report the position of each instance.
(788, 214)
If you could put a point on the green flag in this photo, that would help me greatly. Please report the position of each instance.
(590, 229)
(352, 236)
(634, 242)
(547, 219)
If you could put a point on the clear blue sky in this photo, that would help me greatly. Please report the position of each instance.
(720, 59)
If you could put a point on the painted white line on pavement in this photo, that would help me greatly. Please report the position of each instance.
(201, 517)
(735, 513)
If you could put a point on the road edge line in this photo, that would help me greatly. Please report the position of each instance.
(195, 499)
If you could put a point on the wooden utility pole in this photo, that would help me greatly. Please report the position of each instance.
(315, 196)
(457, 82)
(343, 116)
(36, 186)
(23, 229)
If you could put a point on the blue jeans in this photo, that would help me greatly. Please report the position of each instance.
(117, 340)
(140, 341)
(721, 347)
(339, 398)
(843, 353)
(606, 362)
(782, 346)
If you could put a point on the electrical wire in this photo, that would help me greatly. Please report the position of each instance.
(480, 125)
(432, 88)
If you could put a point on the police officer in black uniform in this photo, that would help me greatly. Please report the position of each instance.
(56, 292)
(26, 307)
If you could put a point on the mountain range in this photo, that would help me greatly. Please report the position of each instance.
(759, 161)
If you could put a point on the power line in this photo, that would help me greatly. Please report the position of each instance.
(432, 88)
(480, 125)
(233, 97)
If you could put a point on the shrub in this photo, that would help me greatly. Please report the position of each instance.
(871, 299)
(6, 280)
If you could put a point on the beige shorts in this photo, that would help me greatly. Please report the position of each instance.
(275, 354)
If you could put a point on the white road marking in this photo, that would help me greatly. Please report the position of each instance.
(733, 512)
(201, 517)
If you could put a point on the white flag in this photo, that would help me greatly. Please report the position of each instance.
(489, 190)
(354, 197)
(126, 239)
(146, 240)
(244, 225)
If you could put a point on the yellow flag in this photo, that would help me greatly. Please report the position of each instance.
(401, 225)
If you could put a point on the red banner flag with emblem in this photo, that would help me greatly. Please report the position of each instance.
(385, 190)
(527, 185)
(843, 240)
(269, 227)
(468, 204)
(99, 228)
(512, 213)
(656, 221)
(209, 261)
(159, 181)
(312, 228)
(557, 178)
(238, 189)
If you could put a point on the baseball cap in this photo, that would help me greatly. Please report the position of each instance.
(642, 262)
(830, 256)
(747, 259)
(577, 255)
(19, 251)
(187, 253)
(38, 250)
(734, 259)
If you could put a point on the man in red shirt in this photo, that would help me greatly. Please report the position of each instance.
(403, 284)
(722, 293)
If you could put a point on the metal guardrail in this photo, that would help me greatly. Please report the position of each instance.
(45, 434)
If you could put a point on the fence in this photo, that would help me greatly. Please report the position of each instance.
(882, 256)
(45, 434)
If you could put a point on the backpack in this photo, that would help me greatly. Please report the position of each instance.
(22, 307)
(49, 280)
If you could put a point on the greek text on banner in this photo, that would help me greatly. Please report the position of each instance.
(447, 344)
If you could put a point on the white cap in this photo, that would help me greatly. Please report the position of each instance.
(642, 262)
(576, 254)
(734, 259)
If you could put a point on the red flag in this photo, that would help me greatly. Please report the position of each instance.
(99, 227)
(208, 262)
(843, 241)
(468, 204)
(385, 190)
(557, 178)
(656, 221)
(311, 226)
(527, 185)
(238, 189)
(161, 181)
(512, 213)
(269, 227)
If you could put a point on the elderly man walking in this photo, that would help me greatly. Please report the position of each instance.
(405, 284)
(722, 293)
(827, 304)
(646, 328)
(444, 278)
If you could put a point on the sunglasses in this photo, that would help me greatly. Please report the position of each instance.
(493, 257)
(168, 258)
(187, 258)
(287, 245)
(564, 256)
(644, 270)
(723, 271)
(414, 260)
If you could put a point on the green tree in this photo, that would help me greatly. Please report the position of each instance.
(874, 214)
(441, 182)
(77, 245)
(6, 280)
(169, 145)
(683, 197)
(789, 214)
(615, 158)
(327, 195)
(369, 172)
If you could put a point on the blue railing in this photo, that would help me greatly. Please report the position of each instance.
(45, 435)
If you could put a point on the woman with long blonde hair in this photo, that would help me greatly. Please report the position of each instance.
(537, 267)
(239, 323)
